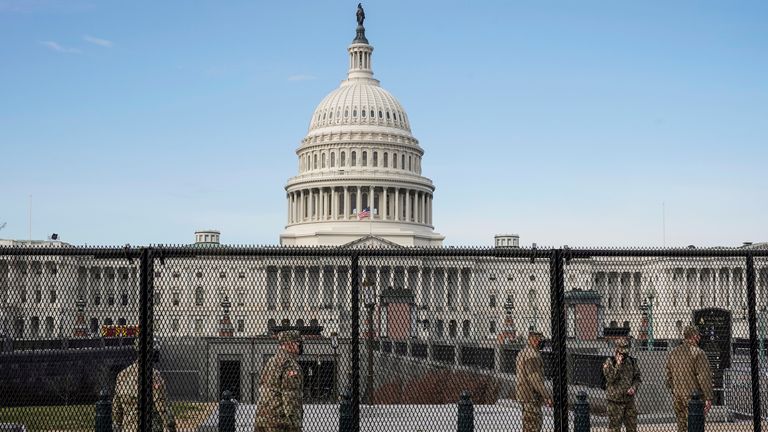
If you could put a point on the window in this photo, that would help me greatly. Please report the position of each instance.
(96, 299)
(410, 164)
(372, 114)
(343, 159)
(375, 159)
(385, 160)
(34, 326)
(240, 326)
(354, 158)
(402, 165)
(346, 113)
(394, 161)
(380, 114)
(314, 165)
(49, 326)
(52, 296)
(199, 296)
(362, 113)
(354, 113)
(492, 301)
(111, 299)
(322, 161)
(333, 159)
(365, 158)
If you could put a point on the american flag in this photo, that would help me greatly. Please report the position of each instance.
(366, 212)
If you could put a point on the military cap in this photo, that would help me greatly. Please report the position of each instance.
(623, 346)
(289, 336)
(690, 331)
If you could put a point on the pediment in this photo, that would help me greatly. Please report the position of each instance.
(372, 242)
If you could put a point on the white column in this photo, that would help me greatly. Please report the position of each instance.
(397, 204)
(334, 204)
(301, 205)
(370, 200)
(408, 205)
(359, 199)
(346, 202)
(384, 204)
(424, 208)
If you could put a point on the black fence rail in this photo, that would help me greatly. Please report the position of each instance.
(389, 335)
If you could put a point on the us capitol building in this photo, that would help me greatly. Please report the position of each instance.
(360, 183)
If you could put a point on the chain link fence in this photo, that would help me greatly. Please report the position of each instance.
(159, 335)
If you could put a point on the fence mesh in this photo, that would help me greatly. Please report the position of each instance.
(429, 326)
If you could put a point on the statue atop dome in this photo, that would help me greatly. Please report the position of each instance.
(360, 15)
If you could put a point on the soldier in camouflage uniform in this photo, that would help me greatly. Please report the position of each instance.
(622, 377)
(688, 370)
(125, 406)
(529, 388)
(281, 388)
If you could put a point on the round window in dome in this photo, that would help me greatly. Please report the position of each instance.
(380, 116)
(346, 113)
(372, 114)
(362, 113)
(330, 114)
(394, 116)
(354, 113)
(387, 115)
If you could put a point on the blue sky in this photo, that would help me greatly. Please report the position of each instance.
(565, 122)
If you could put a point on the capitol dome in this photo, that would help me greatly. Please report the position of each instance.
(360, 102)
(359, 167)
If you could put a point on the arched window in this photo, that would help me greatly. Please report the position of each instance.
(452, 329)
(372, 114)
(365, 158)
(380, 114)
(375, 159)
(322, 160)
(410, 164)
(402, 165)
(346, 113)
(465, 328)
(354, 158)
(394, 160)
(387, 115)
(343, 159)
(315, 161)
(354, 113)
(362, 113)
(333, 159)
(385, 160)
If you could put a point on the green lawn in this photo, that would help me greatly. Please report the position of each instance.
(81, 417)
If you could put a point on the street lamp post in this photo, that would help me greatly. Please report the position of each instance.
(761, 321)
(369, 298)
(335, 346)
(651, 294)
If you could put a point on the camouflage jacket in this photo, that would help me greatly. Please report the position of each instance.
(281, 389)
(125, 406)
(688, 370)
(619, 379)
(529, 385)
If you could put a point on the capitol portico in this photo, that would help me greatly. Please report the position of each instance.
(359, 154)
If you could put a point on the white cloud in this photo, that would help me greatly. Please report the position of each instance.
(98, 41)
(301, 77)
(54, 46)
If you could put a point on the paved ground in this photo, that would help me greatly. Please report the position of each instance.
(442, 418)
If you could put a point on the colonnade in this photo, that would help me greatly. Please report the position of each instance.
(341, 203)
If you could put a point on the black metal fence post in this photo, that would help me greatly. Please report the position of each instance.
(581, 421)
(695, 413)
(104, 412)
(346, 412)
(355, 335)
(145, 338)
(227, 409)
(560, 379)
(466, 421)
(754, 361)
